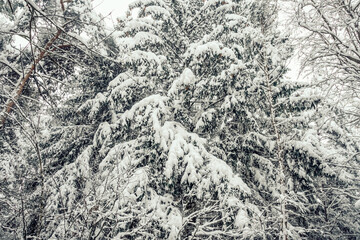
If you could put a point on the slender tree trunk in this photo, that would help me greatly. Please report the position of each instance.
(23, 80)
(267, 21)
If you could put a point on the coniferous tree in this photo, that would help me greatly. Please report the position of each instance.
(168, 184)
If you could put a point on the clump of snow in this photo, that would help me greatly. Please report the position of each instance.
(357, 204)
(186, 79)
(153, 100)
(214, 47)
(140, 39)
(139, 56)
(4, 21)
(242, 219)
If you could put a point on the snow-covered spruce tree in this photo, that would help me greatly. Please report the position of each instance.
(146, 174)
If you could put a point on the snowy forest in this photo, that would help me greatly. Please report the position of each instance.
(184, 120)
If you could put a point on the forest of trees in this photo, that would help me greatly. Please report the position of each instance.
(181, 122)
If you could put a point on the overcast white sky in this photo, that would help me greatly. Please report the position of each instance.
(114, 7)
